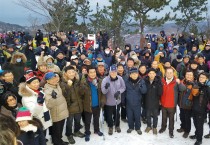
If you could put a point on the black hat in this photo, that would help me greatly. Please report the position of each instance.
(151, 69)
(59, 51)
(44, 43)
(179, 56)
(133, 70)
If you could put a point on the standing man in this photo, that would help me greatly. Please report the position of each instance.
(38, 37)
(169, 99)
(93, 101)
(152, 99)
(135, 87)
(185, 103)
(113, 86)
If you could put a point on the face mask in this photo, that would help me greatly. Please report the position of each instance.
(18, 59)
(107, 51)
(90, 55)
(18, 46)
(123, 62)
(49, 64)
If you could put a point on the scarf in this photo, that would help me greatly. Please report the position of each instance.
(28, 128)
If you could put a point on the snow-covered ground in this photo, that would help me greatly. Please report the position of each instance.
(124, 138)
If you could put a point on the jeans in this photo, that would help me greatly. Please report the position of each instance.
(76, 118)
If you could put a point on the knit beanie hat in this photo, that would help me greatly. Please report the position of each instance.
(23, 114)
(29, 76)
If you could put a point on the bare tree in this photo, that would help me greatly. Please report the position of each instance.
(55, 11)
(34, 23)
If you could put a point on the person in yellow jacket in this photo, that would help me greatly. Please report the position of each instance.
(164, 63)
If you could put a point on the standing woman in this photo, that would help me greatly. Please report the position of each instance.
(33, 98)
(199, 106)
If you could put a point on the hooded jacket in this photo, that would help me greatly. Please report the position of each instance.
(29, 100)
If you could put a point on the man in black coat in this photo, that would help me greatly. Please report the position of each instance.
(152, 99)
(38, 37)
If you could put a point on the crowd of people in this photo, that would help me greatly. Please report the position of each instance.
(42, 87)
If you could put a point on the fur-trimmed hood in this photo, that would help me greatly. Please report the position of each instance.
(17, 55)
(25, 91)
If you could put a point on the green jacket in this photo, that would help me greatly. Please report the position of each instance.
(85, 92)
(73, 98)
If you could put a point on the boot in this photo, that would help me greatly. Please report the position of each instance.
(162, 130)
(87, 138)
(110, 131)
(180, 130)
(185, 135)
(193, 137)
(171, 134)
(139, 132)
(148, 129)
(198, 143)
(117, 129)
(207, 136)
(79, 134)
(155, 131)
(99, 133)
(71, 139)
(129, 130)
(144, 120)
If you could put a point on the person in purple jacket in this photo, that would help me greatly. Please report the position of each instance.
(113, 86)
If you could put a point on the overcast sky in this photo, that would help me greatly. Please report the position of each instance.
(10, 12)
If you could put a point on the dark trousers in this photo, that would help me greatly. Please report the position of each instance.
(198, 120)
(57, 129)
(123, 112)
(168, 113)
(185, 117)
(134, 115)
(69, 123)
(111, 116)
(88, 116)
(152, 113)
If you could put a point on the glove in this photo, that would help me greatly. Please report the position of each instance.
(107, 85)
(40, 99)
(54, 94)
(117, 95)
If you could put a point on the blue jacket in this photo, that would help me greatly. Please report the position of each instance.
(133, 93)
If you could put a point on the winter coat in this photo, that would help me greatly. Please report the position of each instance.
(169, 98)
(133, 93)
(85, 92)
(182, 40)
(173, 56)
(13, 88)
(185, 98)
(30, 57)
(181, 70)
(71, 93)
(154, 92)
(53, 67)
(190, 42)
(58, 106)
(116, 85)
(16, 68)
(8, 112)
(32, 138)
(107, 58)
(61, 63)
(206, 53)
(202, 98)
(29, 100)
